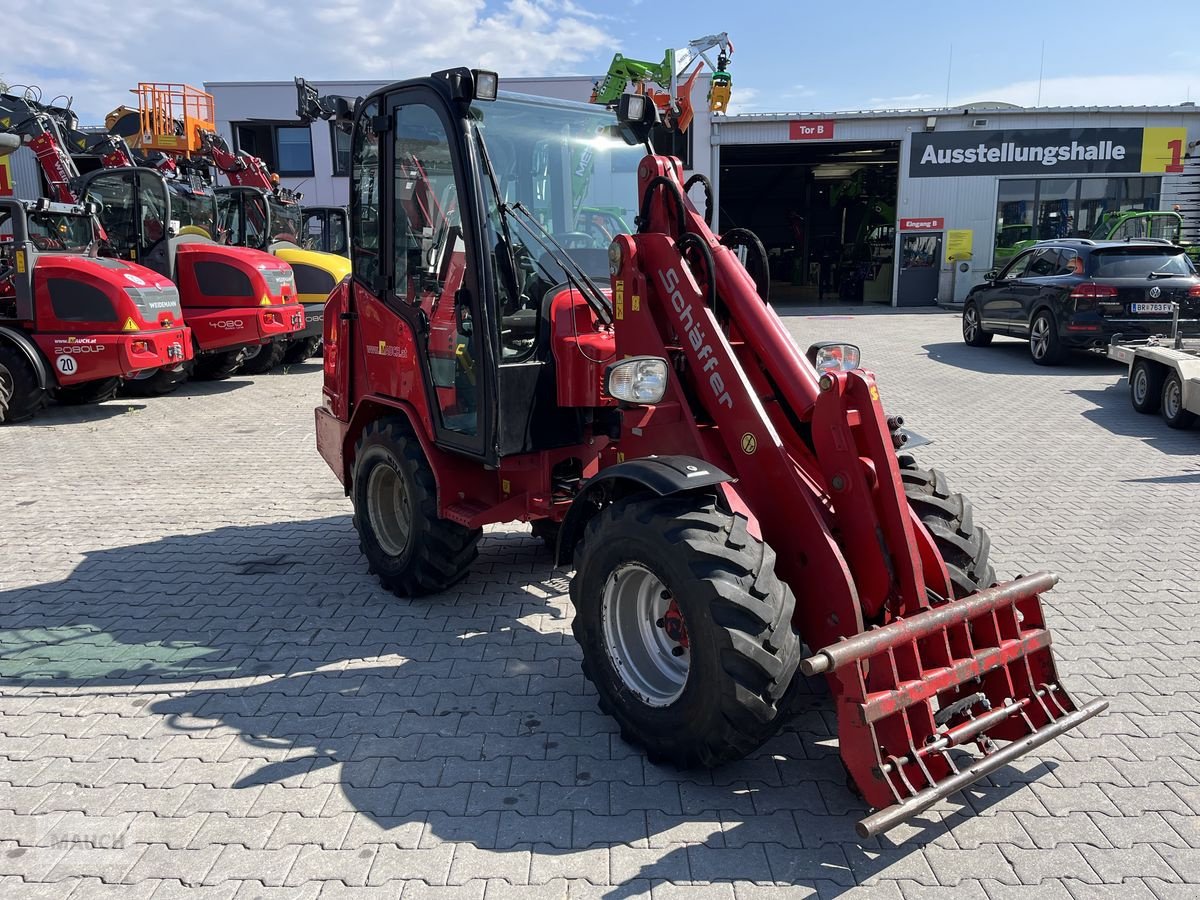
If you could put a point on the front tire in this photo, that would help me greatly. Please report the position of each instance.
(1146, 386)
(685, 629)
(88, 392)
(301, 350)
(268, 357)
(972, 328)
(410, 548)
(1045, 346)
(217, 366)
(156, 384)
(1173, 411)
(949, 518)
(20, 394)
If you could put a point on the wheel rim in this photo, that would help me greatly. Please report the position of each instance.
(640, 650)
(1141, 386)
(970, 323)
(1172, 399)
(1039, 340)
(389, 509)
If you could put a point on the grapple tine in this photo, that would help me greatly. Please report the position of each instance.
(975, 669)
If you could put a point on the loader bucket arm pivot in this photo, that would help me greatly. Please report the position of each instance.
(918, 673)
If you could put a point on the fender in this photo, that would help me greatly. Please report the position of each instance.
(661, 475)
(45, 380)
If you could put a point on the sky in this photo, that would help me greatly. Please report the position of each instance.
(789, 57)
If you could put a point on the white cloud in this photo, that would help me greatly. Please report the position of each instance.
(97, 55)
(1148, 89)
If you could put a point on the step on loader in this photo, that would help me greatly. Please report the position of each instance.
(722, 496)
(74, 326)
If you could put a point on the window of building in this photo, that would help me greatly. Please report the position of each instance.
(340, 145)
(1040, 209)
(294, 150)
(285, 149)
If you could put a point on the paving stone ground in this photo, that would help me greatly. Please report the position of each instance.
(203, 693)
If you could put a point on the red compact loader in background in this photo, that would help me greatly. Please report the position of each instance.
(235, 300)
(722, 495)
(73, 325)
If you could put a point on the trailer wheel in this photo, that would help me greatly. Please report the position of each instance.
(217, 366)
(301, 350)
(964, 546)
(155, 383)
(972, 328)
(268, 357)
(1146, 386)
(88, 392)
(1173, 411)
(685, 629)
(408, 546)
(20, 394)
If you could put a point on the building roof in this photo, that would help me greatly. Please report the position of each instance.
(997, 108)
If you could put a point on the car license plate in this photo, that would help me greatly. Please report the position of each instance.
(1152, 307)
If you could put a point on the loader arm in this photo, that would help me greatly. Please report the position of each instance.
(40, 128)
(915, 673)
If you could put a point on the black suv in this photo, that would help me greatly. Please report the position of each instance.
(1074, 292)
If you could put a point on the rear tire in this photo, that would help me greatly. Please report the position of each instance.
(20, 394)
(721, 697)
(164, 381)
(949, 517)
(301, 350)
(88, 392)
(972, 328)
(217, 366)
(268, 357)
(1146, 385)
(1045, 346)
(1173, 412)
(408, 546)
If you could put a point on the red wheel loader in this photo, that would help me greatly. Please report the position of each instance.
(236, 300)
(73, 325)
(722, 495)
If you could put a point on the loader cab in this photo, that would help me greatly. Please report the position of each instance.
(146, 216)
(325, 228)
(255, 218)
(32, 229)
(434, 237)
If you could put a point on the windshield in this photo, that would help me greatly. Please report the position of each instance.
(285, 221)
(565, 164)
(193, 209)
(55, 232)
(1139, 263)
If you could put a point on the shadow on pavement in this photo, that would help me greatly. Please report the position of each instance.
(466, 713)
(55, 415)
(1011, 357)
(1112, 411)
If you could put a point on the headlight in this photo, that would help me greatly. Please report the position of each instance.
(640, 379)
(834, 355)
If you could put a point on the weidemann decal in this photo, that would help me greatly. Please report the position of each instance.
(1017, 152)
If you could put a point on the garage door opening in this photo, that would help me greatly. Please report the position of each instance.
(826, 214)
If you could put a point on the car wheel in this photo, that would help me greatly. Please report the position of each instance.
(1145, 386)
(1172, 403)
(972, 327)
(1044, 344)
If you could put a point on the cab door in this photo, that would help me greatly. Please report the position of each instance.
(433, 234)
(135, 210)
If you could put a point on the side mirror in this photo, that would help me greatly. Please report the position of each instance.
(993, 275)
(826, 355)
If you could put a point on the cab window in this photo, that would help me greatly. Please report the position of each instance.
(364, 197)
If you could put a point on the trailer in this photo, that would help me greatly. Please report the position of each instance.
(1164, 374)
